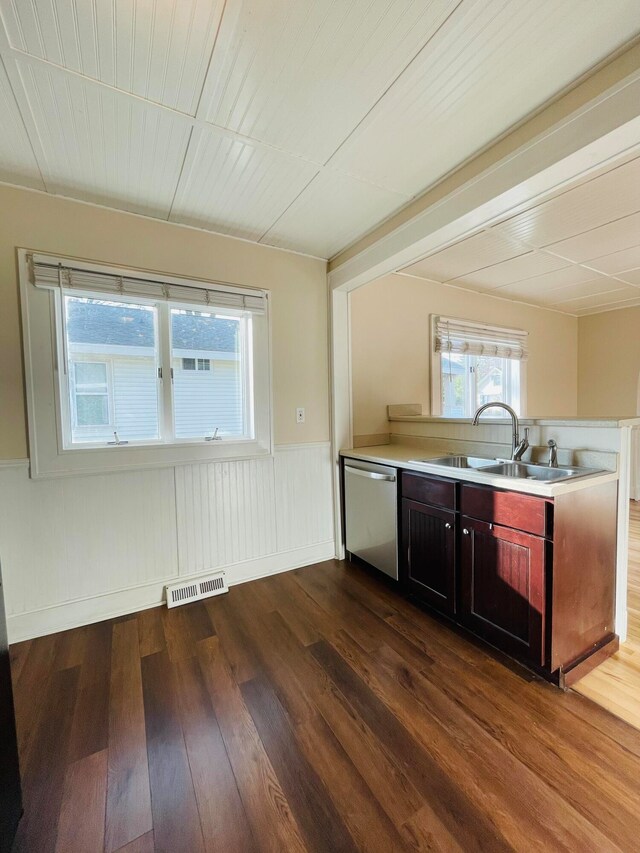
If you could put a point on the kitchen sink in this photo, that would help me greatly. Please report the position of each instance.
(525, 471)
(458, 461)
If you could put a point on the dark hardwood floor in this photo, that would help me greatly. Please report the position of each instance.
(315, 710)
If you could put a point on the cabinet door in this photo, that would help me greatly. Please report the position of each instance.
(429, 548)
(503, 587)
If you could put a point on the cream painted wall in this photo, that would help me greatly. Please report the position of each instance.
(609, 363)
(390, 347)
(298, 284)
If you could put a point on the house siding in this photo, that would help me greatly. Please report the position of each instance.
(204, 400)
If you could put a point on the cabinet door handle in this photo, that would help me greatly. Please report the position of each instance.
(465, 531)
(447, 526)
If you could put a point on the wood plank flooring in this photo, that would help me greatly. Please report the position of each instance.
(312, 711)
(615, 684)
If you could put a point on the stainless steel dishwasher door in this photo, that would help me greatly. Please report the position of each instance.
(371, 514)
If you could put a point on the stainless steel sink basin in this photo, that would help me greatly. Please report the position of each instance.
(458, 461)
(524, 471)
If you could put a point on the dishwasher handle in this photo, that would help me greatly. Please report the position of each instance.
(370, 475)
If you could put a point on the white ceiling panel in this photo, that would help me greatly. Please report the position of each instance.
(523, 267)
(475, 253)
(618, 262)
(573, 274)
(99, 146)
(307, 123)
(594, 287)
(610, 196)
(627, 303)
(237, 188)
(332, 210)
(630, 277)
(301, 75)
(17, 162)
(613, 237)
(157, 49)
(489, 66)
(599, 300)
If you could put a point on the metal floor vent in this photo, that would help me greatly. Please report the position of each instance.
(194, 591)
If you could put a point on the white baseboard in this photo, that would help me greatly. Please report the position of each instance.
(73, 614)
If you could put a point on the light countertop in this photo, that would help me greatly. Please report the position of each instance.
(403, 456)
(615, 422)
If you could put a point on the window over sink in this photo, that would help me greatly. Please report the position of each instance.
(474, 364)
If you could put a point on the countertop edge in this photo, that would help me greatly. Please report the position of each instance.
(380, 455)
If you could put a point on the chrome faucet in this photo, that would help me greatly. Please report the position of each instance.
(553, 453)
(517, 447)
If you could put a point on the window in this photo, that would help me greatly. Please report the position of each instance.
(475, 364)
(168, 370)
(210, 402)
(111, 350)
(196, 364)
(90, 395)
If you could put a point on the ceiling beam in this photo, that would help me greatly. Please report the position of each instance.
(597, 122)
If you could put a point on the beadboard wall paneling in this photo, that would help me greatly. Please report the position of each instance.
(76, 537)
(225, 513)
(304, 497)
(80, 549)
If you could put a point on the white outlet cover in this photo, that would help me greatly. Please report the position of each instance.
(300, 416)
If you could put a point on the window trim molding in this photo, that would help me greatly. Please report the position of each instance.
(435, 377)
(41, 345)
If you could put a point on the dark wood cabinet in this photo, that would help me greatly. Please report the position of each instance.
(502, 587)
(533, 575)
(429, 540)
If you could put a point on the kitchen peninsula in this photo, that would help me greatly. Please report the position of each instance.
(527, 562)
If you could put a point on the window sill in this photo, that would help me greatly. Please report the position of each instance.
(105, 460)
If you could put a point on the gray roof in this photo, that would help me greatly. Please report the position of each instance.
(100, 323)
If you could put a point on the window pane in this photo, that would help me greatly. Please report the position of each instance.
(213, 395)
(90, 373)
(112, 370)
(468, 382)
(92, 409)
(490, 380)
(453, 382)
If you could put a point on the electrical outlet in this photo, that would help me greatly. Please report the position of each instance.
(299, 416)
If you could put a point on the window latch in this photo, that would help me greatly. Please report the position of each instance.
(116, 441)
(214, 437)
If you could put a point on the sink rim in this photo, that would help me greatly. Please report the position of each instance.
(554, 475)
(449, 461)
(499, 467)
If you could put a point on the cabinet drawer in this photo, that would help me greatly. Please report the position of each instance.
(429, 490)
(509, 509)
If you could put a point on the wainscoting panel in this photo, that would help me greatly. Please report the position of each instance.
(76, 537)
(225, 513)
(78, 549)
(304, 498)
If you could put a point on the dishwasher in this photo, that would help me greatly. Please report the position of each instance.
(371, 514)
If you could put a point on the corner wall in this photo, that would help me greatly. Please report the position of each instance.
(609, 363)
(390, 339)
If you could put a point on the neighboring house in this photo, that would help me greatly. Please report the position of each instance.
(113, 381)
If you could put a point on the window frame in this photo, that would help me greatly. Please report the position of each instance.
(48, 418)
(435, 381)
